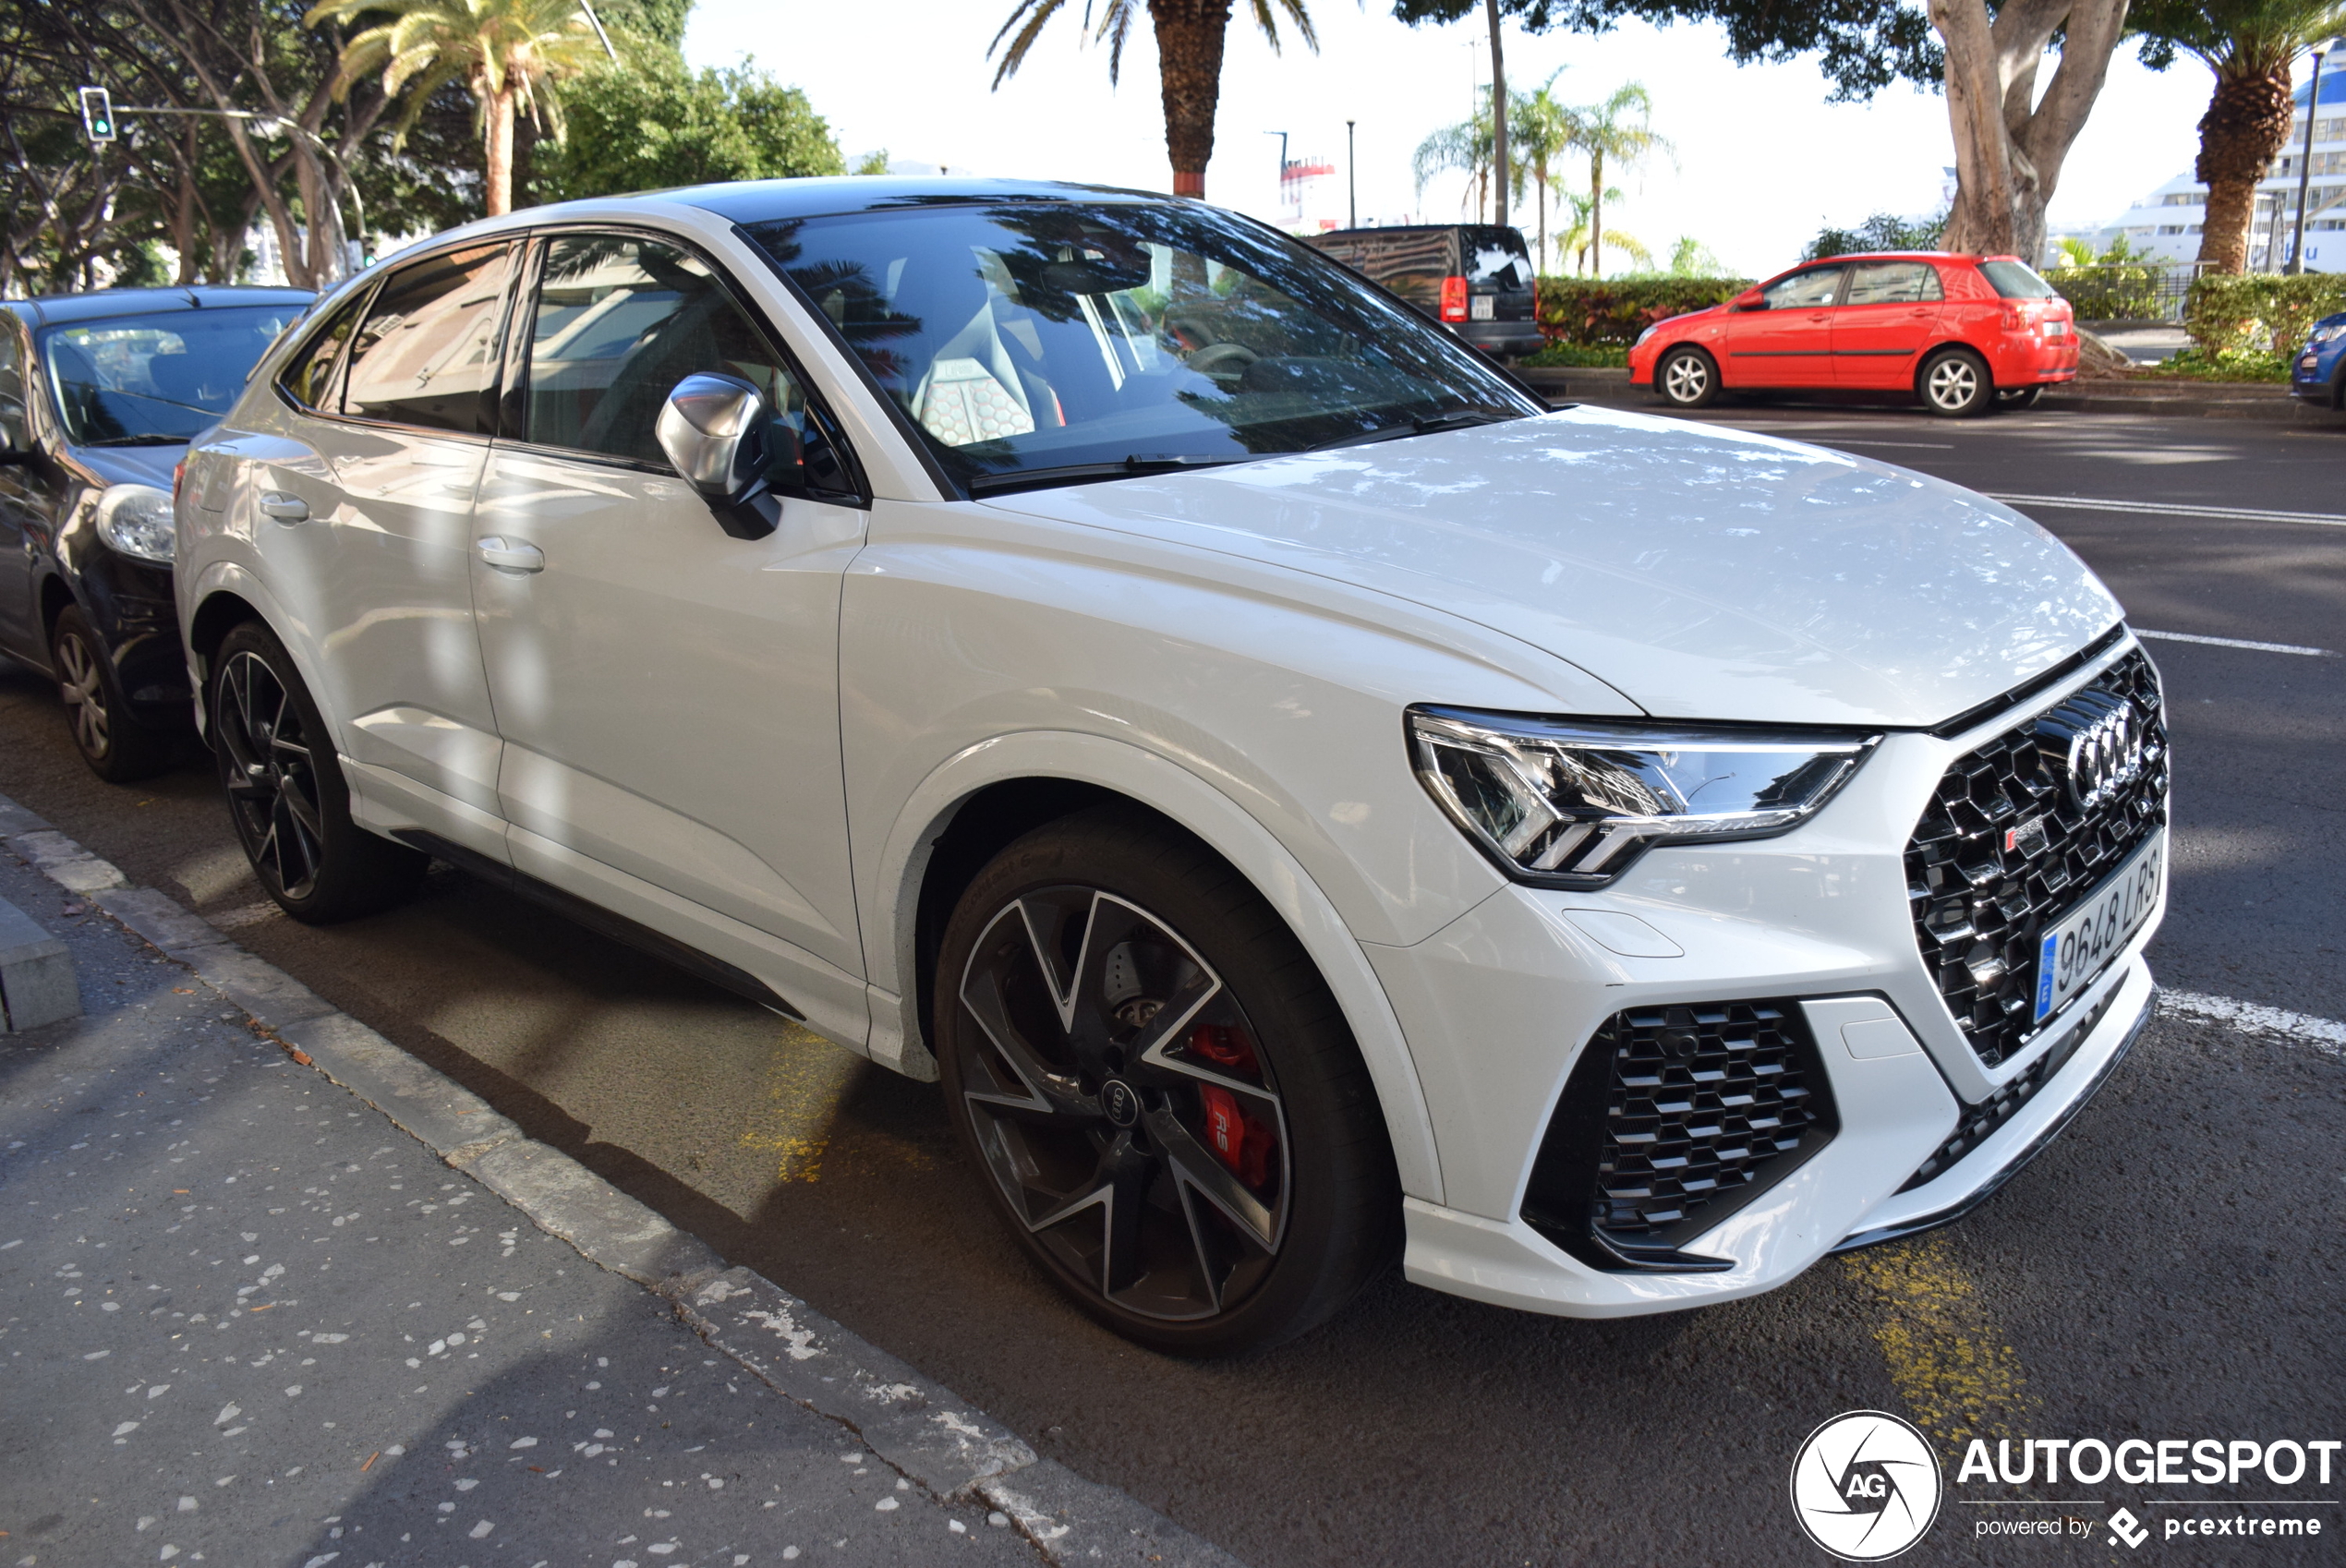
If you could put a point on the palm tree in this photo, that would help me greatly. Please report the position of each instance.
(2250, 45)
(506, 53)
(1543, 131)
(1469, 148)
(1580, 239)
(1189, 53)
(1618, 129)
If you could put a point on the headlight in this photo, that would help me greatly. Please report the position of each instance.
(136, 520)
(1571, 802)
(2324, 333)
(1647, 333)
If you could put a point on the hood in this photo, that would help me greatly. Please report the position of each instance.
(1704, 572)
(131, 464)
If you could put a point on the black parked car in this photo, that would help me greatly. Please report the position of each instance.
(99, 393)
(1475, 278)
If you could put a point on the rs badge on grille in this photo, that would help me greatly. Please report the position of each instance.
(2028, 839)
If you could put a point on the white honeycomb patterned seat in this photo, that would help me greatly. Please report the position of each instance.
(965, 402)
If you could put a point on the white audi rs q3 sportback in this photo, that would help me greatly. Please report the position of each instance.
(1305, 800)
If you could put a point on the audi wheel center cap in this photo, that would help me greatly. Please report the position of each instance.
(1866, 1486)
(1120, 1101)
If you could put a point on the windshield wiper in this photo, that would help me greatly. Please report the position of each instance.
(1083, 473)
(1426, 426)
(150, 440)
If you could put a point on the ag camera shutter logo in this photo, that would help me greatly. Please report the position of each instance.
(1866, 1486)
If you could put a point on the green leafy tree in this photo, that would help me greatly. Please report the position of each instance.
(507, 54)
(1618, 130)
(2250, 45)
(1189, 35)
(1883, 231)
(655, 123)
(1692, 259)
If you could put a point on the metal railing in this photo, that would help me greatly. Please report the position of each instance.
(2127, 291)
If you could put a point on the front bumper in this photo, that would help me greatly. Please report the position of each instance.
(1499, 1005)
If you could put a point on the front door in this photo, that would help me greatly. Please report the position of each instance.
(1884, 322)
(667, 694)
(366, 523)
(1788, 342)
(24, 504)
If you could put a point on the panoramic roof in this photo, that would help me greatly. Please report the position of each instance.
(761, 201)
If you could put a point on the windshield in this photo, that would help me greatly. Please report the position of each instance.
(155, 380)
(2017, 280)
(1020, 337)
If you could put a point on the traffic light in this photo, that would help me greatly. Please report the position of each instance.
(97, 114)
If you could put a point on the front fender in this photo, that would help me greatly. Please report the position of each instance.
(891, 918)
(219, 577)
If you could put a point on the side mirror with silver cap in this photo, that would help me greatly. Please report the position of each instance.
(725, 442)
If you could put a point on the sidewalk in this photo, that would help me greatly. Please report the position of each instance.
(245, 1318)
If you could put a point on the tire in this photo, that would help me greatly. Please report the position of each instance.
(1686, 378)
(2015, 399)
(1240, 1135)
(117, 746)
(1955, 384)
(285, 791)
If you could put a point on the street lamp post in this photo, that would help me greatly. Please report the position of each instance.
(2305, 160)
(1351, 179)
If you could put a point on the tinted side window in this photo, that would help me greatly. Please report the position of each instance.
(1805, 291)
(618, 321)
(2017, 280)
(1495, 258)
(428, 354)
(307, 376)
(1894, 283)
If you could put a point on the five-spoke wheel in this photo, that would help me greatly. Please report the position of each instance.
(116, 745)
(1956, 382)
(1185, 1139)
(1686, 378)
(285, 791)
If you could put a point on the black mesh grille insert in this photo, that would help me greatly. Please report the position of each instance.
(1675, 1118)
(2006, 849)
(1978, 1121)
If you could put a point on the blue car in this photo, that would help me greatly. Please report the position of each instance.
(2319, 374)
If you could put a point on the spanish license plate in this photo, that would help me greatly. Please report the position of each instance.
(1482, 307)
(2081, 946)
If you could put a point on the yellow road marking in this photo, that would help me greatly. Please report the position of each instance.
(804, 1085)
(1946, 1352)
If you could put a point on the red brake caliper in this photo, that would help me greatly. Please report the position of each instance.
(1241, 1141)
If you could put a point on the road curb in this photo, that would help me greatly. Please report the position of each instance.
(913, 1424)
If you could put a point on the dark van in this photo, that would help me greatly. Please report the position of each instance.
(1475, 278)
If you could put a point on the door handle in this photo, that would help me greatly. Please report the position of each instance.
(512, 555)
(283, 508)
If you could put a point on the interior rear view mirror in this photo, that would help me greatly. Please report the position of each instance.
(724, 440)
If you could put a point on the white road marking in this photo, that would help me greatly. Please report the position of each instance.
(2173, 509)
(2218, 643)
(1913, 446)
(2324, 1035)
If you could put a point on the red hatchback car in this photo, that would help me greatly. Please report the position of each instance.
(1963, 334)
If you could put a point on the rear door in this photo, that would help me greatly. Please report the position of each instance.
(1497, 266)
(1788, 342)
(667, 694)
(1884, 321)
(364, 524)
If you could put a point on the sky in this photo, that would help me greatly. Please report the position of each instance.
(1762, 160)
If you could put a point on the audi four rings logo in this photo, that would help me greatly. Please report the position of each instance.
(1866, 1486)
(2105, 736)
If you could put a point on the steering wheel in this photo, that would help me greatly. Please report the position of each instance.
(1223, 359)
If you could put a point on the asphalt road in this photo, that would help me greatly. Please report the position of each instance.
(2171, 1268)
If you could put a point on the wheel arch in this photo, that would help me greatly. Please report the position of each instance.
(976, 803)
(223, 596)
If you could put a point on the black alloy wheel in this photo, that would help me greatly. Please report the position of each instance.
(117, 746)
(2014, 399)
(1955, 383)
(1185, 1140)
(1686, 378)
(285, 791)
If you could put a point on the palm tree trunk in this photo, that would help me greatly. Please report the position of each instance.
(2248, 121)
(1498, 114)
(1188, 52)
(499, 162)
(1544, 215)
(1596, 213)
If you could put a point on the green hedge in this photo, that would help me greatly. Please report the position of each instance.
(2260, 314)
(1593, 312)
